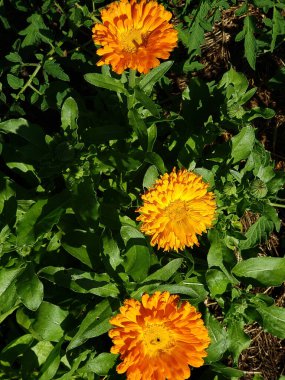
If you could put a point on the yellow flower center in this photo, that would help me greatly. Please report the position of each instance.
(132, 39)
(177, 210)
(157, 338)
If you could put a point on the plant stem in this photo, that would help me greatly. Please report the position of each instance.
(132, 78)
(276, 205)
(28, 83)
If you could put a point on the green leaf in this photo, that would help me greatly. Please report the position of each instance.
(218, 250)
(155, 159)
(217, 281)
(278, 27)
(150, 176)
(48, 322)
(51, 364)
(69, 114)
(94, 324)
(242, 144)
(149, 80)
(81, 282)
(13, 57)
(137, 256)
(33, 33)
(139, 126)
(152, 135)
(111, 249)
(85, 203)
(16, 348)
(228, 372)
(165, 272)
(147, 102)
(30, 289)
(54, 69)
(273, 320)
(30, 132)
(250, 47)
(104, 81)
(257, 233)
(7, 276)
(42, 350)
(14, 81)
(255, 112)
(190, 287)
(238, 340)
(102, 364)
(219, 339)
(75, 364)
(78, 244)
(268, 271)
(40, 219)
(79, 252)
(9, 301)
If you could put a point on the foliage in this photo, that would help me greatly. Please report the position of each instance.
(80, 144)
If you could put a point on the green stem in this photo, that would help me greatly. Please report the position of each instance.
(276, 205)
(29, 82)
(36, 90)
(132, 78)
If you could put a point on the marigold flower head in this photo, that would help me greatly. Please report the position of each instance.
(158, 339)
(177, 209)
(134, 35)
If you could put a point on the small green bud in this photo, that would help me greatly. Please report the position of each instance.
(258, 188)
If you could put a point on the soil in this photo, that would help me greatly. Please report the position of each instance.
(266, 355)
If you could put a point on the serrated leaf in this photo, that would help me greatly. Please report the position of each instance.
(257, 233)
(14, 81)
(55, 70)
(104, 81)
(33, 33)
(13, 57)
(268, 271)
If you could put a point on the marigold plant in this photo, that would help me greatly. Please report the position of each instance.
(158, 338)
(134, 35)
(177, 209)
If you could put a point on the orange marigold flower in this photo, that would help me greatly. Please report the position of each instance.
(134, 35)
(158, 339)
(177, 209)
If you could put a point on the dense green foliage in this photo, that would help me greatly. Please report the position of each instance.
(79, 144)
